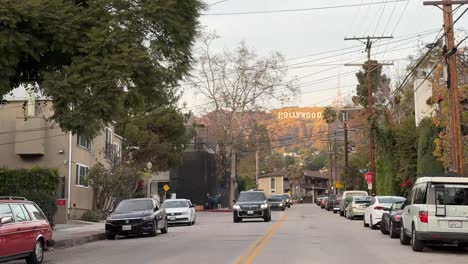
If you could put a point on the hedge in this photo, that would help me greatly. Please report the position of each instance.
(39, 185)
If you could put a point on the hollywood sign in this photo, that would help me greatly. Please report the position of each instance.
(302, 115)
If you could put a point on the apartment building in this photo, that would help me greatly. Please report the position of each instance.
(29, 139)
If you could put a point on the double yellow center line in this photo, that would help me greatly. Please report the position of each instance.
(249, 256)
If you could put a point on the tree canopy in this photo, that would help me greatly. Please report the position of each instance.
(97, 59)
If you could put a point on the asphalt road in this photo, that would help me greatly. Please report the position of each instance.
(302, 234)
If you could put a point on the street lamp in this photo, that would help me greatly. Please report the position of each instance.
(149, 165)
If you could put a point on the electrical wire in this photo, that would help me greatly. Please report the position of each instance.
(299, 9)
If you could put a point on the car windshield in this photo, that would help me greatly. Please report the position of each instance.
(134, 205)
(355, 194)
(397, 206)
(251, 196)
(175, 204)
(390, 200)
(275, 199)
(362, 199)
(285, 196)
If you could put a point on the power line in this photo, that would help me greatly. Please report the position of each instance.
(298, 9)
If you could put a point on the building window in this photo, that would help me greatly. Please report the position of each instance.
(108, 145)
(82, 175)
(273, 184)
(117, 151)
(83, 141)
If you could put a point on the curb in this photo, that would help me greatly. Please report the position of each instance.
(72, 242)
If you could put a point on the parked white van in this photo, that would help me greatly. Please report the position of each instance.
(349, 194)
(436, 211)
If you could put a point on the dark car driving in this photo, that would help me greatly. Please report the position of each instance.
(277, 201)
(251, 204)
(333, 203)
(136, 216)
(287, 199)
(391, 220)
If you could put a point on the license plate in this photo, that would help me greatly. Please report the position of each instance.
(249, 212)
(172, 218)
(455, 224)
(126, 227)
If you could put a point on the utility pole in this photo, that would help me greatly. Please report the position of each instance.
(330, 161)
(257, 167)
(335, 150)
(452, 82)
(345, 126)
(368, 42)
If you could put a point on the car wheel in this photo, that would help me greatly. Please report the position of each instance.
(382, 228)
(154, 230)
(351, 217)
(341, 213)
(289, 206)
(462, 246)
(416, 244)
(164, 230)
(110, 236)
(391, 230)
(372, 226)
(404, 239)
(37, 255)
(364, 222)
(267, 217)
(236, 219)
(283, 208)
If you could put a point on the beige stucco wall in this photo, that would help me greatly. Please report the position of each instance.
(265, 185)
(55, 145)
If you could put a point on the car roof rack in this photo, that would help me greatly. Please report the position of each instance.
(12, 198)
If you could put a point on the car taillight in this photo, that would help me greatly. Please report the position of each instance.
(423, 216)
(397, 218)
(378, 208)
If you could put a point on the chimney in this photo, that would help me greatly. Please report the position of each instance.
(31, 108)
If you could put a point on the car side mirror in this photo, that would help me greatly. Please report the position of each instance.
(192, 206)
(6, 220)
(155, 209)
(405, 203)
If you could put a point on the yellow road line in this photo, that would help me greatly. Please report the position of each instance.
(260, 243)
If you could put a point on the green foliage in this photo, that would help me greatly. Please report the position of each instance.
(91, 216)
(159, 136)
(427, 164)
(246, 183)
(380, 84)
(329, 115)
(316, 161)
(115, 183)
(39, 185)
(103, 58)
(23, 181)
(289, 161)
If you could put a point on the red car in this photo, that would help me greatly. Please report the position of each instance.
(24, 231)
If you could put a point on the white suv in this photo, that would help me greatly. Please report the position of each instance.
(436, 211)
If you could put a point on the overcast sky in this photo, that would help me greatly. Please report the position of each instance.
(302, 33)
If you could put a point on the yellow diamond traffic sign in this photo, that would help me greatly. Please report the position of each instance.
(166, 187)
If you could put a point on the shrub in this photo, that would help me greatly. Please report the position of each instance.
(37, 184)
(91, 216)
(46, 203)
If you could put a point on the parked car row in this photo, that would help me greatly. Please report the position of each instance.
(436, 212)
(146, 215)
(255, 204)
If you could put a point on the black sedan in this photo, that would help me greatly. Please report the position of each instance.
(278, 202)
(136, 216)
(251, 204)
(391, 220)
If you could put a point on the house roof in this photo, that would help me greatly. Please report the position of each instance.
(315, 174)
(277, 173)
(307, 173)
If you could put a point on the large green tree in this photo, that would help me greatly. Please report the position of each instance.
(159, 136)
(97, 59)
(380, 84)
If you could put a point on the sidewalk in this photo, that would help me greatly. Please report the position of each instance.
(77, 233)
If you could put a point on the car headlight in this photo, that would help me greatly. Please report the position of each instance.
(147, 218)
(281, 204)
(236, 207)
(264, 206)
